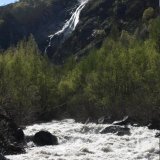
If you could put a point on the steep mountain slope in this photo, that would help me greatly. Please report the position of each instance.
(37, 17)
(41, 18)
(120, 78)
(99, 19)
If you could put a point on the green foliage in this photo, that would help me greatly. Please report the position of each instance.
(116, 79)
(126, 39)
(148, 14)
(30, 10)
(154, 29)
(27, 84)
(121, 78)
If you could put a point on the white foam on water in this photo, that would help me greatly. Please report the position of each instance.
(79, 141)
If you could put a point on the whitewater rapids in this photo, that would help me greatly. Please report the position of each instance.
(79, 141)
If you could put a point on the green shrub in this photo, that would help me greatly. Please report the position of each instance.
(148, 14)
(154, 30)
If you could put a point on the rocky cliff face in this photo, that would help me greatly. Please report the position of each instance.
(97, 20)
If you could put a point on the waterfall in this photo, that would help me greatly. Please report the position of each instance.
(70, 25)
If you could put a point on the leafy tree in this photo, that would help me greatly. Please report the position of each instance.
(148, 14)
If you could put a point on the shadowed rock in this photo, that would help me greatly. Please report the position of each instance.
(43, 138)
(120, 131)
(11, 136)
(2, 157)
(19, 135)
(157, 135)
(28, 138)
(155, 124)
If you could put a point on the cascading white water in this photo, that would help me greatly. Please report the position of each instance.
(79, 141)
(70, 25)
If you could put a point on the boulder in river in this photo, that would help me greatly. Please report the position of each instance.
(119, 130)
(28, 138)
(19, 135)
(43, 138)
(157, 135)
(154, 124)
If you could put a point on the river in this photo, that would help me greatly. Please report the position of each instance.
(79, 141)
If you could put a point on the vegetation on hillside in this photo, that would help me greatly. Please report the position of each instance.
(121, 78)
(37, 17)
(27, 82)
